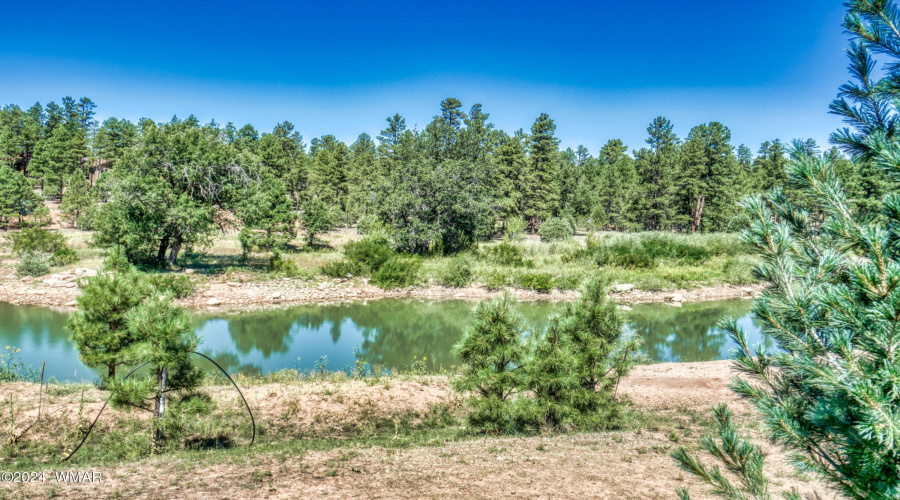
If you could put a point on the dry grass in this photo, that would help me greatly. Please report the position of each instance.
(322, 439)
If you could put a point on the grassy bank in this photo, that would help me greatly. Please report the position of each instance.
(650, 261)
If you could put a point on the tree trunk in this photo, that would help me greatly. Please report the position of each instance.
(532, 224)
(698, 213)
(112, 369)
(163, 246)
(173, 253)
(160, 408)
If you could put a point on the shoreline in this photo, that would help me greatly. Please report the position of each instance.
(217, 294)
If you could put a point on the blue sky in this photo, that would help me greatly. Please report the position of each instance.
(601, 69)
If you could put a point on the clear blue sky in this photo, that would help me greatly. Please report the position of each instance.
(601, 69)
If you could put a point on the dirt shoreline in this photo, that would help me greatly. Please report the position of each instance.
(609, 465)
(220, 294)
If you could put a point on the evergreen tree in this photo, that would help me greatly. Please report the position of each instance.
(551, 378)
(329, 170)
(508, 179)
(78, 198)
(616, 186)
(98, 325)
(166, 340)
(655, 168)
(708, 178)
(493, 353)
(317, 217)
(282, 152)
(601, 352)
(541, 196)
(478, 139)
(17, 196)
(770, 166)
(168, 190)
(269, 221)
(113, 138)
(569, 178)
(365, 177)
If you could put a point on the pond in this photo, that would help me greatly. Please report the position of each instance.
(388, 334)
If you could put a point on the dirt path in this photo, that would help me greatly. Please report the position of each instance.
(218, 293)
(614, 465)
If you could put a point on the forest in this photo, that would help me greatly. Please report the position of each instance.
(170, 186)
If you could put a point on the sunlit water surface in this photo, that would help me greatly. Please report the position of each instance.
(384, 334)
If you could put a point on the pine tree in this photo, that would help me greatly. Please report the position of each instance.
(166, 341)
(655, 168)
(551, 375)
(492, 352)
(365, 177)
(770, 166)
(508, 181)
(615, 189)
(269, 221)
(541, 195)
(78, 198)
(282, 152)
(329, 170)
(602, 353)
(708, 181)
(17, 196)
(113, 138)
(98, 325)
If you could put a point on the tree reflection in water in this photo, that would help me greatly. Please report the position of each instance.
(388, 333)
(689, 333)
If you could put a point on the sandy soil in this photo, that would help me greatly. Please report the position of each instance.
(218, 293)
(613, 465)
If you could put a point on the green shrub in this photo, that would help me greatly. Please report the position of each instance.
(515, 228)
(568, 281)
(456, 273)
(371, 252)
(624, 254)
(556, 229)
(179, 285)
(371, 225)
(117, 260)
(398, 272)
(343, 269)
(507, 254)
(281, 266)
(36, 239)
(33, 264)
(63, 257)
(540, 282)
(495, 279)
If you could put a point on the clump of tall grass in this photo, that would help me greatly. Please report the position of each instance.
(649, 250)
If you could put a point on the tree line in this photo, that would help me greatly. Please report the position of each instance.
(456, 181)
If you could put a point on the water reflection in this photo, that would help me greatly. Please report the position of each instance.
(385, 333)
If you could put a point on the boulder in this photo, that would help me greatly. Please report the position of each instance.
(213, 302)
(623, 308)
(189, 271)
(27, 279)
(71, 303)
(627, 287)
(233, 284)
(675, 297)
